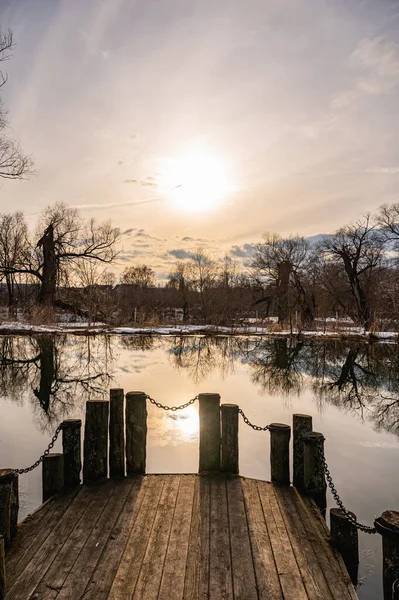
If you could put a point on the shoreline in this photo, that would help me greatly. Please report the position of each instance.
(17, 328)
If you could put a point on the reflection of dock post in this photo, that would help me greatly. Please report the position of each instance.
(72, 450)
(301, 424)
(116, 433)
(388, 527)
(280, 435)
(209, 432)
(95, 452)
(136, 432)
(344, 538)
(314, 478)
(229, 414)
(52, 475)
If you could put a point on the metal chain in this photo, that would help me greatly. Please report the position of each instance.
(172, 408)
(248, 422)
(348, 515)
(45, 453)
(395, 588)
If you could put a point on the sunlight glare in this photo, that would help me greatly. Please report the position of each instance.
(188, 423)
(197, 181)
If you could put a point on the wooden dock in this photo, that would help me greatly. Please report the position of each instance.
(176, 537)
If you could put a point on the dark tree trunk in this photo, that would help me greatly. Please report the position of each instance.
(284, 272)
(49, 279)
(47, 371)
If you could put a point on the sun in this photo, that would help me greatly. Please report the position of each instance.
(197, 181)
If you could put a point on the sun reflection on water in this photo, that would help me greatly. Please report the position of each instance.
(185, 423)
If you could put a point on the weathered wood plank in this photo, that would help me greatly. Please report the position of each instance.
(53, 579)
(193, 563)
(130, 562)
(290, 577)
(220, 576)
(313, 578)
(244, 580)
(330, 567)
(267, 578)
(172, 584)
(149, 580)
(34, 532)
(79, 576)
(54, 540)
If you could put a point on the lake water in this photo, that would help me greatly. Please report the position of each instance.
(350, 389)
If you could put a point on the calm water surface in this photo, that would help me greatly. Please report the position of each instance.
(351, 390)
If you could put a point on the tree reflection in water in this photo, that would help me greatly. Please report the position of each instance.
(59, 373)
(362, 378)
(62, 372)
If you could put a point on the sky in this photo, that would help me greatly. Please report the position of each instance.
(286, 110)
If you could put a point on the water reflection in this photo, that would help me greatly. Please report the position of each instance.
(55, 372)
(61, 371)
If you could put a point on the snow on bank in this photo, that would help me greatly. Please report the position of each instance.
(9, 328)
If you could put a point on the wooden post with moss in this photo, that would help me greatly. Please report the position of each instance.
(301, 424)
(314, 477)
(280, 435)
(116, 433)
(388, 527)
(9, 504)
(2, 569)
(95, 452)
(136, 433)
(52, 475)
(209, 432)
(72, 450)
(230, 462)
(344, 537)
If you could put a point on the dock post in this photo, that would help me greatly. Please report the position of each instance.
(72, 450)
(314, 478)
(300, 424)
(136, 433)
(95, 453)
(344, 537)
(209, 432)
(388, 526)
(8, 504)
(230, 462)
(280, 435)
(116, 433)
(52, 475)
(2, 569)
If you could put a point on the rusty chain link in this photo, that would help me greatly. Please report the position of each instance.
(347, 514)
(172, 408)
(45, 453)
(248, 422)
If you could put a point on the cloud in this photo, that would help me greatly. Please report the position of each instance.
(148, 182)
(180, 253)
(130, 181)
(379, 59)
(388, 170)
(245, 251)
(115, 204)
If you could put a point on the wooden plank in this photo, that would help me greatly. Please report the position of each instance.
(220, 576)
(172, 584)
(313, 578)
(54, 578)
(55, 535)
(244, 580)
(149, 580)
(331, 569)
(33, 531)
(128, 568)
(77, 580)
(287, 568)
(193, 566)
(196, 584)
(267, 578)
(320, 523)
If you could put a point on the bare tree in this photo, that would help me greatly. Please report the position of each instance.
(66, 242)
(13, 242)
(358, 250)
(282, 262)
(13, 163)
(142, 276)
